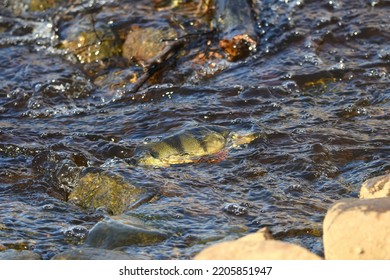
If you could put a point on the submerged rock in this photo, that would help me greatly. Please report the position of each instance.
(192, 145)
(237, 28)
(143, 44)
(97, 188)
(94, 254)
(376, 187)
(90, 42)
(12, 254)
(120, 231)
(256, 246)
(358, 229)
(42, 5)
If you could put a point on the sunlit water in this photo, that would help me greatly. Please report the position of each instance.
(317, 90)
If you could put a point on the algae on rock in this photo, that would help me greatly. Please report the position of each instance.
(98, 188)
(89, 41)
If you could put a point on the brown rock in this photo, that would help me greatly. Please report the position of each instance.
(358, 229)
(240, 46)
(376, 187)
(143, 44)
(256, 246)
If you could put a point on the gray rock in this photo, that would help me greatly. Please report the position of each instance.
(94, 254)
(12, 254)
(110, 234)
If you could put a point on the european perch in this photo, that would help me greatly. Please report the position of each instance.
(207, 143)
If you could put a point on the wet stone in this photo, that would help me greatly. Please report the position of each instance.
(376, 187)
(110, 234)
(142, 44)
(94, 254)
(19, 255)
(101, 189)
(76, 232)
(90, 42)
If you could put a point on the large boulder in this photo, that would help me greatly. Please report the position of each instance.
(358, 229)
(256, 246)
(376, 187)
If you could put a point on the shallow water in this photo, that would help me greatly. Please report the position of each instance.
(317, 89)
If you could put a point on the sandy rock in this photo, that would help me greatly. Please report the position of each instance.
(358, 229)
(256, 246)
(94, 254)
(376, 187)
(12, 254)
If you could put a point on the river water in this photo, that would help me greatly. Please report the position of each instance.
(317, 89)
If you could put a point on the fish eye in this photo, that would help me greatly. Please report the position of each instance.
(233, 136)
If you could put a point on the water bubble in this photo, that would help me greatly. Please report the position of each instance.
(275, 105)
(48, 206)
(235, 209)
(76, 231)
(291, 86)
(294, 188)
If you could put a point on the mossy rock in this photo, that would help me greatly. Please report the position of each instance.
(101, 189)
(89, 41)
(93, 46)
(42, 5)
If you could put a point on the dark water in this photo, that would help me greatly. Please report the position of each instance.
(317, 88)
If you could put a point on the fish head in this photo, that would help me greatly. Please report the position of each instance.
(236, 140)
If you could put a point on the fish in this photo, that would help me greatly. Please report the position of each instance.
(192, 145)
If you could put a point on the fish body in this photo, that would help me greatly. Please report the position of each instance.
(191, 146)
